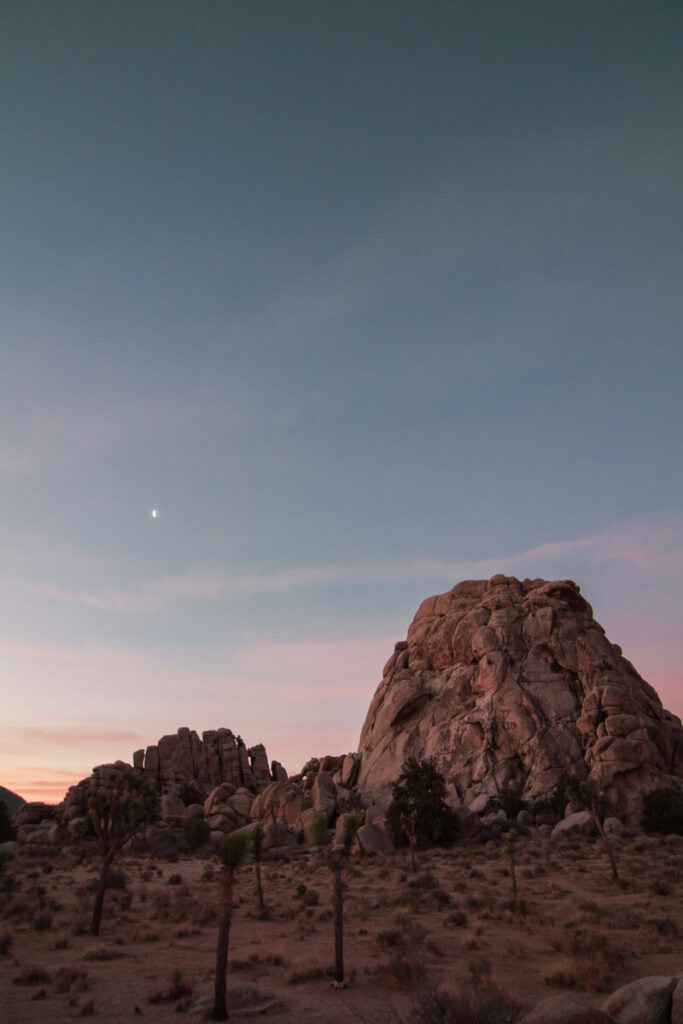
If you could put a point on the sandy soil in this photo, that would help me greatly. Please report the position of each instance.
(575, 931)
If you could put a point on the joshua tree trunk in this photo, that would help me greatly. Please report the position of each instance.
(513, 873)
(99, 894)
(413, 858)
(259, 886)
(338, 925)
(220, 1010)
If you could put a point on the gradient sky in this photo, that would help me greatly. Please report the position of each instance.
(365, 298)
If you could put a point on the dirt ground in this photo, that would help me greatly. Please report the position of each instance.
(574, 931)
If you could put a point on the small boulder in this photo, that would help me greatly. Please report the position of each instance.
(340, 826)
(171, 806)
(581, 823)
(349, 770)
(308, 825)
(561, 1010)
(645, 1001)
(193, 811)
(241, 802)
(220, 795)
(677, 1002)
(324, 794)
(374, 840)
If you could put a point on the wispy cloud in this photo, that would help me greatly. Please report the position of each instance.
(50, 437)
(67, 735)
(654, 548)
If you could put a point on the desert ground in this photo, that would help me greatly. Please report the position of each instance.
(574, 931)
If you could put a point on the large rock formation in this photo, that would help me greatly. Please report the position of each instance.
(219, 756)
(508, 684)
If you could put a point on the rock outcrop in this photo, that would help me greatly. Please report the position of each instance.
(217, 775)
(12, 801)
(219, 756)
(510, 684)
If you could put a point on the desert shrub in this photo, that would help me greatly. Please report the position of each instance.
(418, 814)
(424, 880)
(179, 989)
(590, 958)
(664, 926)
(99, 953)
(190, 794)
(406, 966)
(42, 921)
(554, 802)
(196, 833)
(256, 960)
(32, 976)
(175, 879)
(457, 918)
(470, 1006)
(663, 812)
(5, 943)
(309, 971)
(350, 803)
(481, 971)
(660, 887)
(116, 879)
(390, 937)
(67, 978)
(511, 801)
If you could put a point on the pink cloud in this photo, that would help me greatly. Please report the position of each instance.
(646, 547)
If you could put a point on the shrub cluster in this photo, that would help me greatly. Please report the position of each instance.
(663, 812)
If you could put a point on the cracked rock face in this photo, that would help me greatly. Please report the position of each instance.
(510, 684)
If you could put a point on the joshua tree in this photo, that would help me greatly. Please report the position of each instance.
(335, 861)
(585, 792)
(511, 839)
(418, 813)
(257, 837)
(232, 852)
(118, 809)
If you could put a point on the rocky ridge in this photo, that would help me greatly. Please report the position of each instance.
(507, 684)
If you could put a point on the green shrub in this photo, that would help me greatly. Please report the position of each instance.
(190, 794)
(418, 813)
(196, 833)
(663, 811)
(511, 801)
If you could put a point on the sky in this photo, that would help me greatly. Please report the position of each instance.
(364, 297)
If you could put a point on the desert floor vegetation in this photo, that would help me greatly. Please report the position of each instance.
(454, 923)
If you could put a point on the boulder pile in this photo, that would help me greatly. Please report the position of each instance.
(510, 686)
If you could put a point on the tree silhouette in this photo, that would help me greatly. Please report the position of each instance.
(586, 793)
(118, 809)
(418, 814)
(257, 837)
(232, 852)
